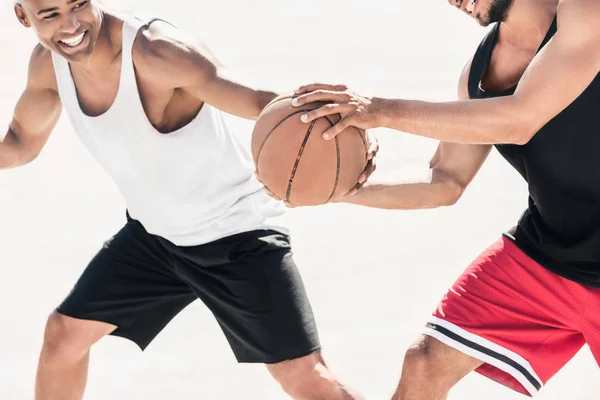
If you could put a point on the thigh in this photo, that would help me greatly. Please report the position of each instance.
(516, 316)
(257, 296)
(130, 284)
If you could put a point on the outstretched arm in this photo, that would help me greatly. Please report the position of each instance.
(453, 167)
(35, 115)
(171, 58)
(559, 73)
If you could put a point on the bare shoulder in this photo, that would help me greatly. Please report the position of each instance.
(583, 14)
(41, 69)
(577, 30)
(171, 54)
(584, 6)
(160, 37)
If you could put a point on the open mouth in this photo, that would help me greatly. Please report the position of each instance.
(470, 9)
(75, 41)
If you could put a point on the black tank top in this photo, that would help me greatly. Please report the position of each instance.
(561, 164)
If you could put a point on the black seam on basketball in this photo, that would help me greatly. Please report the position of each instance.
(363, 139)
(337, 170)
(300, 151)
(273, 130)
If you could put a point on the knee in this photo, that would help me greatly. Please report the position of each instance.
(62, 338)
(431, 368)
(303, 378)
(420, 359)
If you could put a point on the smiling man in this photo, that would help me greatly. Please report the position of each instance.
(530, 301)
(149, 105)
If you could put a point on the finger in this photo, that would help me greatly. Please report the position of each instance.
(317, 86)
(369, 169)
(366, 172)
(314, 86)
(373, 149)
(321, 95)
(327, 109)
(354, 190)
(337, 128)
(289, 205)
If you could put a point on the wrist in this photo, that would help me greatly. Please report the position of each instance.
(382, 112)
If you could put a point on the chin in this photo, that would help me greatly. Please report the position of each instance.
(483, 22)
(75, 56)
(79, 56)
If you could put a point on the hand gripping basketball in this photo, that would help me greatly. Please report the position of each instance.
(297, 166)
(355, 110)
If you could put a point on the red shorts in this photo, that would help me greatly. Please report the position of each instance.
(522, 320)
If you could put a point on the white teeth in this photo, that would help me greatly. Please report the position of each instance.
(72, 42)
(471, 6)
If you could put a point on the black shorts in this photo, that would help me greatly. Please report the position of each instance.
(249, 281)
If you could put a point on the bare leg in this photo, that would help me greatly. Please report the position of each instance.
(63, 365)
(431, 369)
(308, 378)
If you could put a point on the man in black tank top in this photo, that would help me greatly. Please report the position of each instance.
(532, 90)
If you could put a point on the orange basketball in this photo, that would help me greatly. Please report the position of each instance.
(296, 163)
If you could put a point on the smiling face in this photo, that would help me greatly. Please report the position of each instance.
(67, 27)
(485, 12)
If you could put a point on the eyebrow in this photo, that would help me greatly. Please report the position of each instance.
(47, 10)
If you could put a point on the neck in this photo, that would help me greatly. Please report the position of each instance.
(105, 50)
(527, 23)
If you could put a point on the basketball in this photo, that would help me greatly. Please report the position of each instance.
(296, 163)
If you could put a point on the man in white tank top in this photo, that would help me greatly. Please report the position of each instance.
(147, 102)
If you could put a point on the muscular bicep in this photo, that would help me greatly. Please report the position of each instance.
(35, 115)
(170, 57)
(564, 68)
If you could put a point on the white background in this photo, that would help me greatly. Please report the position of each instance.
(373, 276)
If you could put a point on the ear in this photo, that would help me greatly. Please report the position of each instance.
(20, 13)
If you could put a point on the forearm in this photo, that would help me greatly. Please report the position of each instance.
(411, 196)
(263, 97)
(234, 98)
(249, 103)
(499, 120)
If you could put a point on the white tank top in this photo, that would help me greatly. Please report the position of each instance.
(191, 186)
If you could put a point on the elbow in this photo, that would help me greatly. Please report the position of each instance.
(449, 195)
(445, 190)
(450, 201)
(28, 157)
(445, 198)
(525, 122)
(18, 159)
(523, 133)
